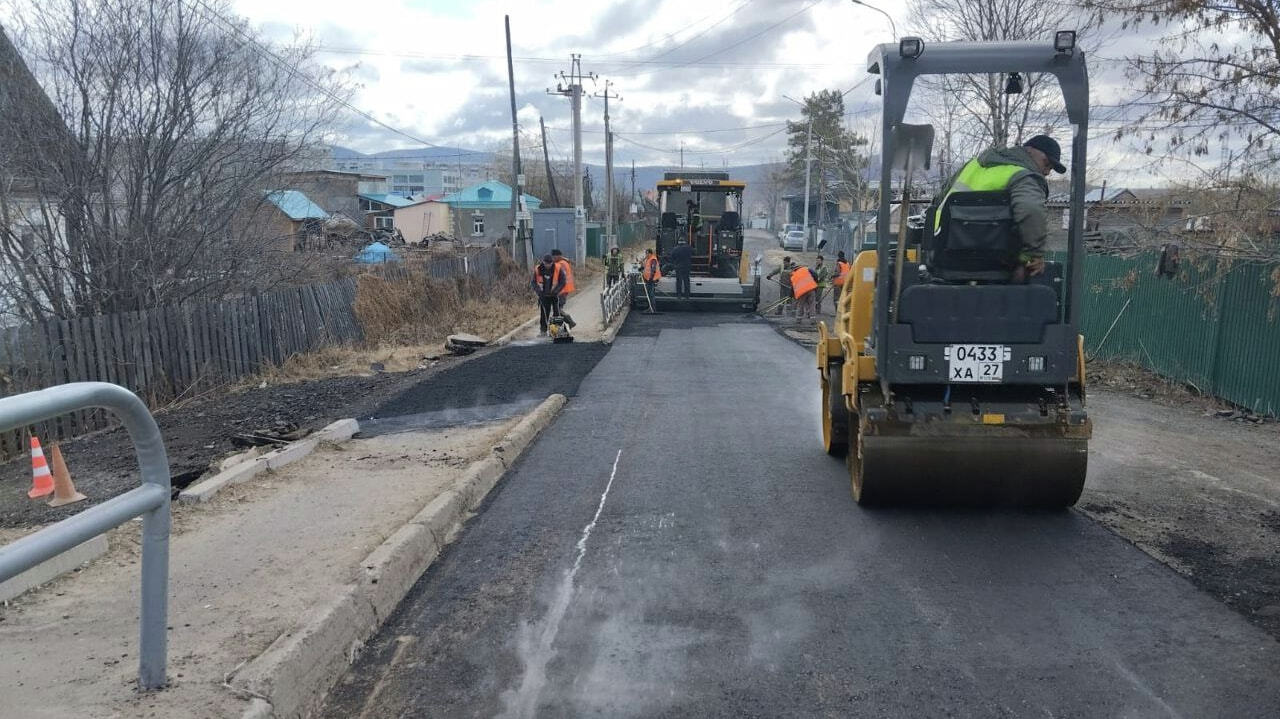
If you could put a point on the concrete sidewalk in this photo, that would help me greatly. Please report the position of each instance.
(243, 569)
(583, 306)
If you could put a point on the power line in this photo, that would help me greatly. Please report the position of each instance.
(731, 13)
(253, 44)
(717, 151)
(407, 54)
(681, 132)
(677, 32)
(736, 44)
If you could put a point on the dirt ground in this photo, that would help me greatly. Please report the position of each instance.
(1199, 492)
(243, 568)
(311, 391)
(199, 434)
(195, 435)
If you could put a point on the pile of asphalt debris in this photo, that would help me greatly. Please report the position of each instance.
(1241, 414)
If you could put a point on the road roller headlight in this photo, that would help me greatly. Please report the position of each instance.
(916, 363)
(1035, 364)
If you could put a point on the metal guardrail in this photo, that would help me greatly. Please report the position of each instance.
(613, 299)
(150, 501)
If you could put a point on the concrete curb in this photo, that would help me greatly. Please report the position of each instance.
(205, 489)
(506, 339)
(291, 678)
(612, 333)
(54, 567)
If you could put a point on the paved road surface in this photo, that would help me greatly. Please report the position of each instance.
(677, 545)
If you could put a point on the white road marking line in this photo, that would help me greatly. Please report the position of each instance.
(536, 641)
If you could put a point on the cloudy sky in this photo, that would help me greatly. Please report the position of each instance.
(712, 76)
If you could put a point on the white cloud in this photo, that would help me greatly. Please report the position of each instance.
(437, 69)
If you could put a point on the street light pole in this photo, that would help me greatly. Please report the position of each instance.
(808, 163)
(892, 26)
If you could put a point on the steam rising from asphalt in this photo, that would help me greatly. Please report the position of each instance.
(536, 640)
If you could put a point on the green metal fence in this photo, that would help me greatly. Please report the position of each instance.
(631, 233)
(1215, 326)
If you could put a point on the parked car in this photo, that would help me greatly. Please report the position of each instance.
(787, 228)
(794, 241)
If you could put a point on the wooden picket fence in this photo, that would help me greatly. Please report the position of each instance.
(171, 353)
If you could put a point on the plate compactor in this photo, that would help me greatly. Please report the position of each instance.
(947, 376)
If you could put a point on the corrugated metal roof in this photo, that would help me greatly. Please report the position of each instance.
(296, 205)
(389, 199)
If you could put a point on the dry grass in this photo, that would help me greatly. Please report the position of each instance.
(419, 309)
(406, 321)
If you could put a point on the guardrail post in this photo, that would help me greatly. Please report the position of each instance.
(150, 501)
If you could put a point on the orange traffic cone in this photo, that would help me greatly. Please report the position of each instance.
(41, 478)
(64, 491)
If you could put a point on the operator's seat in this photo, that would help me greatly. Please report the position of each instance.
(976, 239)
(668, 221)
(730, 221)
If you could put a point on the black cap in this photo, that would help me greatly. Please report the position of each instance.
(548, 258)
(1050, 148)
(557, 251)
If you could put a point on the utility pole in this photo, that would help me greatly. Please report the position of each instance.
(611, 239)
(808, 163)
(822, 193)
(632, 201)
(571, 87)
(682, 154)
(546, 163)
(517, 225)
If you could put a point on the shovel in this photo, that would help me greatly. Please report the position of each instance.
(912, 148)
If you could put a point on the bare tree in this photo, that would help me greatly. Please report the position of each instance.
(974, 109)
(1206, 105)
(1213, 78)
(775, 181)
(533, 166)
(175, 122)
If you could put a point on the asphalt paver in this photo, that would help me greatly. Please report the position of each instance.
(677, 544)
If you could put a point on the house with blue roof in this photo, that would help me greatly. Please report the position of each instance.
(480, 213)
(379, 209)
(293, 218)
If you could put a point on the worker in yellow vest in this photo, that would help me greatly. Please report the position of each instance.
(567, 270)
(805, 289)
(1020, 171)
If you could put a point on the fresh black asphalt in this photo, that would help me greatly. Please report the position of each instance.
(728, 573)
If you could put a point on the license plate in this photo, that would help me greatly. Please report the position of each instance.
(976, 363)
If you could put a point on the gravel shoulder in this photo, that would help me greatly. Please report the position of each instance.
(1199, 493)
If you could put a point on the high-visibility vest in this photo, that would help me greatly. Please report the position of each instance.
(976, 178)
(842, 269)
(568, 276)
(539, 277)
(652, 269)
(802, 282)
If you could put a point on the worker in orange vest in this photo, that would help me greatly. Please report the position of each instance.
(805, 289)
(651, 272)
(567, 269)
(837, 282)
(548, 280)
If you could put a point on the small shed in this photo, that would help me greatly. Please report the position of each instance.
(552, 229)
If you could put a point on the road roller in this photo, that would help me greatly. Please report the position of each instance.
(948, 376)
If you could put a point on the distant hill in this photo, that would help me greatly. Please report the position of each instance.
(430, 154)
